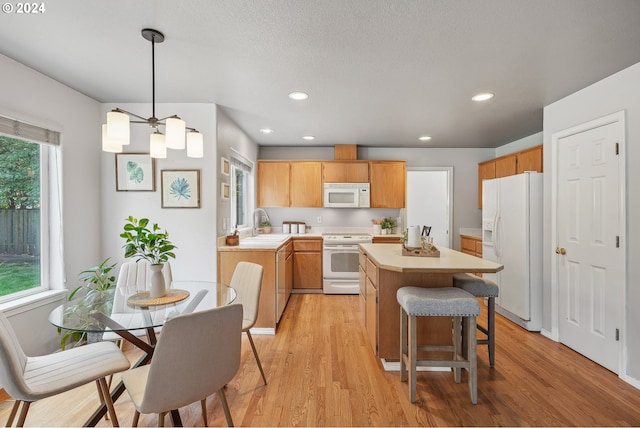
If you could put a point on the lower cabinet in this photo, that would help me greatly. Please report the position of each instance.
(307, 263)
(368, 281)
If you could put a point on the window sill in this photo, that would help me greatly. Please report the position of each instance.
(31, 302)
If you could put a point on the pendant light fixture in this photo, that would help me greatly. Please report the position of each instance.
(116, 132)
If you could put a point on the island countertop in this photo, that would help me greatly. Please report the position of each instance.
(389, 257)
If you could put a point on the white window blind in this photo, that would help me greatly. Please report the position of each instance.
(15, 128)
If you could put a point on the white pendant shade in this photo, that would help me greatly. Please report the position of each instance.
(118, 127)
(175, 133)
(157, 146)
(195, 146)
(109, 145)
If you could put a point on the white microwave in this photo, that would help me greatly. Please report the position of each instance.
(346, 195)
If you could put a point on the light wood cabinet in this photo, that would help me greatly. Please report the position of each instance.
(272, 184)
(471, 245)
(529, 160)
(388, 184)
(506, 166)
(345, 172)
(305, 185)
(515, 163)
(307, 263)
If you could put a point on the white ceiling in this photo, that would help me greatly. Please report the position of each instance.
(378, 72)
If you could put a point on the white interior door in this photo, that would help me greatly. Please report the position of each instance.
(589, 257)
(429, 202)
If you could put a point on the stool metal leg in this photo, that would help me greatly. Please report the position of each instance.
(470, 328)
(457, 346)
(413, 350)
(491, 327)
(403, 345)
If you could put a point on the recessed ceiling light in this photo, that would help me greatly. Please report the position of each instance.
(424, 138)
(298, 96)
(308, 137)
(482, 97)
(266, 131)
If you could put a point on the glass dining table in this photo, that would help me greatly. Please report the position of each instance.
(128, 313)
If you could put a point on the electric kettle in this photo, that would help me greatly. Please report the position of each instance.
(413, 237)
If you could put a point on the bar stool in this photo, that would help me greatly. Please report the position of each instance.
(433, 302)
(481, 287)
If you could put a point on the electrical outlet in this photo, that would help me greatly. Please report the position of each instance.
(319, 219)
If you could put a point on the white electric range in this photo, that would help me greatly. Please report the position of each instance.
(340, 262)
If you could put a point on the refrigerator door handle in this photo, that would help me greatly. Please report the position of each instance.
(497, 236)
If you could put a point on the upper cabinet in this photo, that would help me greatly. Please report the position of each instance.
(300, 183)
(273, 183)
(511, 164)
(305, 188)
(345, 172)
(388, 184)
(289, 184)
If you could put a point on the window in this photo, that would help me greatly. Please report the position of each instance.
(24, 204)
(240, 191)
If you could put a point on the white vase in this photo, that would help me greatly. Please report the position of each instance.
(377, 230)
(157, 287)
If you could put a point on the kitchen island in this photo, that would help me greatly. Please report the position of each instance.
(383, 270)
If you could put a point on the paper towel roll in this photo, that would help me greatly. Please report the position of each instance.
(413, 236)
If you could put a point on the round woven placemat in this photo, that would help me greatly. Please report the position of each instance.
(172, 296)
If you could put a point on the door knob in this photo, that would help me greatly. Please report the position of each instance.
(560, 250)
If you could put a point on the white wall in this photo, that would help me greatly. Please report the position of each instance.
(521, 144)
(192, 230)
(231, 138)
(615, 93)
(33, 97)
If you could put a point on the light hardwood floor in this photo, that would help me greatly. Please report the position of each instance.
(322, 372)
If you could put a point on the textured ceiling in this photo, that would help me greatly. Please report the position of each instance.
(378, 72)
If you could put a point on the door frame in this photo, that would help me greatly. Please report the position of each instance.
(622, 220)
(449, 171)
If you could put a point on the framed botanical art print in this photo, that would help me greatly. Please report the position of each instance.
(225, 167)
(225, 191)
(135, 172)
(181, 188)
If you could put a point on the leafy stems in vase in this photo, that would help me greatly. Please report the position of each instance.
(152, 245)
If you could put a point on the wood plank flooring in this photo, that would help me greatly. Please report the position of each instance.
(322, 372)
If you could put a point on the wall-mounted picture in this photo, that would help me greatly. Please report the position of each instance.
(135, 172)
(225, 168)
(225, 191)
(181, 188)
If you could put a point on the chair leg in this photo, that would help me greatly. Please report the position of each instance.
(101, 397)
(413, 351)
(106, 395)
(255, 353)
(203, 404)
(491, 327)
(14, 411)
(457, 347)
(225, 406)
(403, 345)
(472, 357)
(161, 419)
(136, 417)
(23, 413)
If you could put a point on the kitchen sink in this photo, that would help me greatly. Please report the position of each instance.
(269, 237)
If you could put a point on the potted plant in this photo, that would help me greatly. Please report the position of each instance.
(387, 224)
(266, 226)
(152, 245)
(95, 293)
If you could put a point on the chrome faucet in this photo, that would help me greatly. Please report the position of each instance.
(259, 215)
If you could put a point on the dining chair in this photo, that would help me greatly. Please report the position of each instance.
(247, 281)
(28, 379)
(197, 354)
(133, 277)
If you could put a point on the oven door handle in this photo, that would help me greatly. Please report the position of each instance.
(340, 247)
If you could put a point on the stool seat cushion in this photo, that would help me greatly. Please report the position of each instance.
(446, 301)
(475, 285)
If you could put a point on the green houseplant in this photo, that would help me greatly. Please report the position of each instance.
(266, 226)
(152, 245)
(95, 293)
(388, 223)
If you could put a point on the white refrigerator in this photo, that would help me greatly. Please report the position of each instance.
(512, 236)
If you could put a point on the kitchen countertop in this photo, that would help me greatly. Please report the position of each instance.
(471, 232)
(389, 257)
